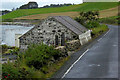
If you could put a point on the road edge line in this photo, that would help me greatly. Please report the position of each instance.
(104, 35)
(107, 32)
(74, 63)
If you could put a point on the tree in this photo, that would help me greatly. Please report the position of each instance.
(87, 16)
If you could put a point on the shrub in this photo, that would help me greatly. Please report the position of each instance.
(10, 70)
(81, 20)
(8, 49)
(4, 48)
(33, 63)
(90, 20)
(92, 24)
(40, 55)
(15, 50)
(87, 16)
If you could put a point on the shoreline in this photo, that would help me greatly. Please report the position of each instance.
(17, 23)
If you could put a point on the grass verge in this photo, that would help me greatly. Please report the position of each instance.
(99, 30)
(115, 20)
(55, 67)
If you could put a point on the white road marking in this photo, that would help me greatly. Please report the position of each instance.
(107, 32)
(93, 65)
(98, 65)
(99, 39)
(114, 45)
(75, 63)
(104, 35)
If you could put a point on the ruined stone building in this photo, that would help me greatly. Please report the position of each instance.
(55, 30)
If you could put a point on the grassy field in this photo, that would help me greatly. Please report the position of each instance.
(43, 16)
(109, 12)
(73, 8)
(103, 13)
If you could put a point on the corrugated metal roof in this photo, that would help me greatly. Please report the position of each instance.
(71, 24)
(75, 23)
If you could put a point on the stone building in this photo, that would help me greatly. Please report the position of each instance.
(55, 30)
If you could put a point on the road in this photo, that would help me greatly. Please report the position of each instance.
(99, 61)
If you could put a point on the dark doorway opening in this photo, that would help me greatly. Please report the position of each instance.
(63, 39)
(56, 40)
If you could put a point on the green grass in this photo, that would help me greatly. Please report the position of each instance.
(51, 70)
(99, 30)
(111, 20)
(113, 17)
(80, 7)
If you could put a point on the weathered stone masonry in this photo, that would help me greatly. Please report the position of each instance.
(51, 32)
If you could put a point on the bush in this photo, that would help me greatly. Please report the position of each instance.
(90, 20)
(4, 48)
(92, 24)
(33, 63)
(40, 55)
(10, 70)
(8, 49)
(81, 20)
(15, 50)
(87, 17)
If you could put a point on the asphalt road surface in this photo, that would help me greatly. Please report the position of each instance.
(99, 61)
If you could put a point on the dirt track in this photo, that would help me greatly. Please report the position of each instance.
(43, 16)
(109, 12)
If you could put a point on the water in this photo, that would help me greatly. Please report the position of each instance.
(8, 32)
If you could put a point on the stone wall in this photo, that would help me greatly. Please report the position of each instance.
(69, 48)
(46, 33)
(73, 45)
(63, 50)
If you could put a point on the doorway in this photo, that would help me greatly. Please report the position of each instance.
(56, 40)
(62, 39)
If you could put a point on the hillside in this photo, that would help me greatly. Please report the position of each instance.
(72, 8)
(103, 13)
(109, 12)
